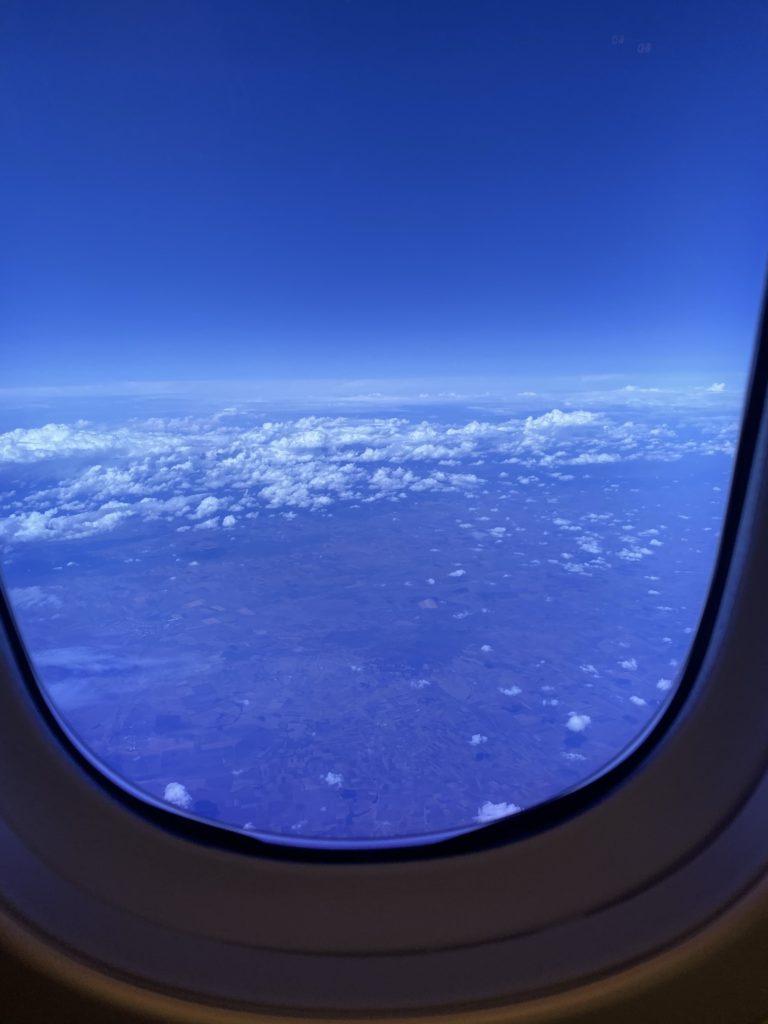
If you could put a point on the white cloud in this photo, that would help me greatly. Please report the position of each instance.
(477, 739)
(63, 440)
(48, 525)
(633, 554)
(716, 389)
(630, 664)
(556, 418)
(458, 572)
(490, 811)
(594, 458)
(590, 545)
(578, 723)
(333, 779)
(176, 793)
(200, 471)
(206, 508)
(33, 597)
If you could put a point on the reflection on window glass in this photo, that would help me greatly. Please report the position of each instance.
(373, 382)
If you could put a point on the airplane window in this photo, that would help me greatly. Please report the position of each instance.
(373, 384)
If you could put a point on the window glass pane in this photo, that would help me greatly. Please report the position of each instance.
(370, 391)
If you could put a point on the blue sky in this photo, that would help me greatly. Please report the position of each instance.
(319, 188)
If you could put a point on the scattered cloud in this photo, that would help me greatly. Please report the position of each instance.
(213, 472)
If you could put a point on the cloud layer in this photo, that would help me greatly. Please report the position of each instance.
(208, 473)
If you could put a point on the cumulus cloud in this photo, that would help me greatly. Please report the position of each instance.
(206, 508)
(578, 723)
(51, 524)
(716, 388)
(594, 458)
(634, 553)
(334, 779)
(62, 440)
(210, 472)
(177, 794)
(490, 811)
(576, 567)
(556, 418)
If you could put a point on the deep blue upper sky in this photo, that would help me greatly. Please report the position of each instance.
(275, 188)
